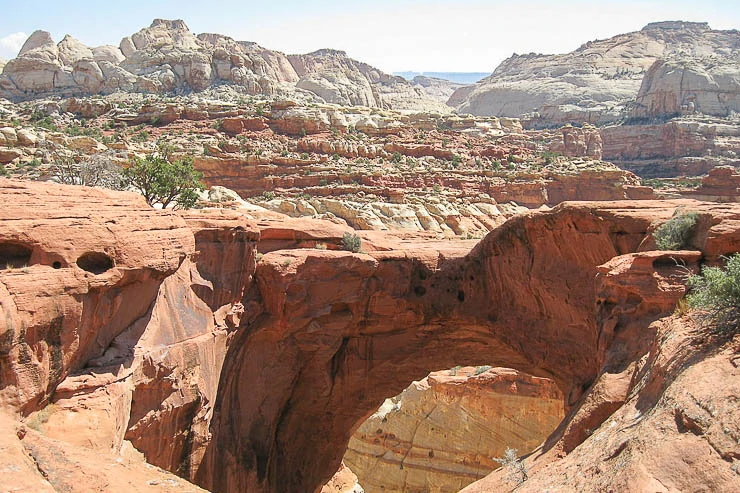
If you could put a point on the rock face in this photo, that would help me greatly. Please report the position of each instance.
(722, 184)
(168, 58)
(676, 406)
(344, 481)
(688, 145)
(115, 331)
(336, 78)
(96, 353)
(443, 301)
(442, 433)
(596, 82)
(439, 89)
(709, 85)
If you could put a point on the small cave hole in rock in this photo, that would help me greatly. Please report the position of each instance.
(468, 414)
(14, 255)
(57, 265)
(95, 262)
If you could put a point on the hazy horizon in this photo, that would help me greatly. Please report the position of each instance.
(394, 36)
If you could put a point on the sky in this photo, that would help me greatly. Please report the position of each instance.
(415, 35)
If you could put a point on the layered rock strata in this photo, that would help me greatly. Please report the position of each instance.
(443, 432)
(684, 146)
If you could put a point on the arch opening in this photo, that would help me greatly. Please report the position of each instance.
(447, 429)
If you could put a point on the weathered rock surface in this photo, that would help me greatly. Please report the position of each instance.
(110, 338)
(343, 481)
(675, 426)
(439, 89)
(442, 433)
(74, 254)
(708, 85)
(444, 301)
(722, 184)
(120, 342)
(167, 58)
(33, 462)
(596, 82)
(336, 78)
(688, 146)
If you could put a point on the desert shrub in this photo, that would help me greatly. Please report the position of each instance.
(140, 137)
(482, 369)
(98, 170)
(715, 295)
(163, 182)
(675, 233)
(351, 242)
(516, 470)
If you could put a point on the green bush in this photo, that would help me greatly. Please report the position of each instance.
(675, 233)
(351, 243)
(715, 294)
(163, 182)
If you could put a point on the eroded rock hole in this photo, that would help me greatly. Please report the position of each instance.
(95, 262)
(414, 430)
(14, 255)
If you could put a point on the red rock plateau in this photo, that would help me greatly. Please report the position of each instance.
(128, 327)
(366, 168)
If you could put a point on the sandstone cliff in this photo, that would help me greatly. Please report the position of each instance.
(225, 371)
(597, 82)
(167, 58)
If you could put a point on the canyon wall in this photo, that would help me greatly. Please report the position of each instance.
(117, 332)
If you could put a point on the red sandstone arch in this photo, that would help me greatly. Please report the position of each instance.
(341, 332)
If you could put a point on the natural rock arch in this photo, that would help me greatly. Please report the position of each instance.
(340, 332)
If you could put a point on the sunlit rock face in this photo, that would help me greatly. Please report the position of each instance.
(443, 432)
(168, 58)
(599, 82)
(122, 324)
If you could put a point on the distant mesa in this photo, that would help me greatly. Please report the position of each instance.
(606, 81)
(665, 69)
(457, 77)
